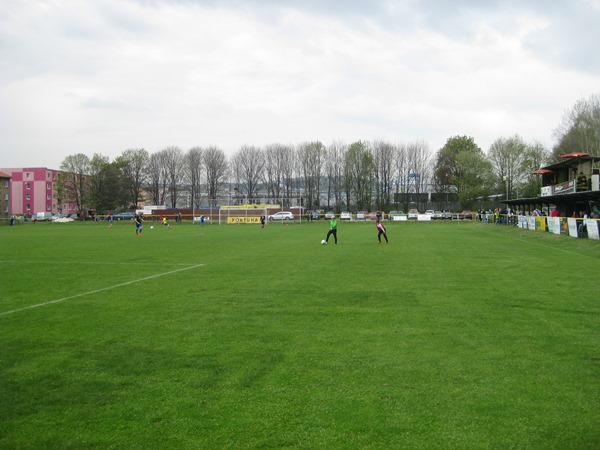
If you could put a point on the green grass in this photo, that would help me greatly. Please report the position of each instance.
(455, 335)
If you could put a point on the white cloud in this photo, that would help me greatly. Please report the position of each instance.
(84, 76)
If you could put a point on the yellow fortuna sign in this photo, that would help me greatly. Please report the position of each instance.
(243, 219)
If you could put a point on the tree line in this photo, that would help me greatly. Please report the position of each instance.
(363, 175)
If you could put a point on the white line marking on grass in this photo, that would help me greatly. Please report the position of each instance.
(100, 290)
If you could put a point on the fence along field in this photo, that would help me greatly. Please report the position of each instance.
(456, 334)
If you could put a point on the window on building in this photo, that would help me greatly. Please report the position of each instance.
(5, 183)
(27, 175)
(48, 175)
(27, 186)
(28, 207)
(48, 197)
(5, 196)
(28, 197)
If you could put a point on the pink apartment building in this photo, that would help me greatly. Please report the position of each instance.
(34, 190)
(4, 195)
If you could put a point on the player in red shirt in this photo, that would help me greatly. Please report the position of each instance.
(382, 231)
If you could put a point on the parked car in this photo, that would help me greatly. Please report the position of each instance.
(42, 216)
(437, 215)
(430, 213)
(361, 215)
(345, 215)
(330, 215)
(282, 215)
(314, 215)
(446, 215)
(124, 216)
(413, 213)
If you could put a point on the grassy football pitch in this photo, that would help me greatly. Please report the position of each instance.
(455, 335)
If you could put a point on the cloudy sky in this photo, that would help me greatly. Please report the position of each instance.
(101, 76)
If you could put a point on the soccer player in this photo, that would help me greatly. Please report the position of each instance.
(165, 222)
(381, 231)
(332, 230)
(139, 226)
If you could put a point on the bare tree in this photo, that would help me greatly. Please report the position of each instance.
(383, 157)
(580, 128)
(334, 168)
(278, 157)
(506, 156)
(157, 182)
(134, 163)
(288, 172)
(536, 156)
(359, 171)
(310, 160)
(73, 185)
(193, 168)
(216, 167)
(401, 176)
(173, 168)
(418, 159)
(248, 165)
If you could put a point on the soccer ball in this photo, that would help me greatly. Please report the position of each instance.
(152, 227)
(323, 242)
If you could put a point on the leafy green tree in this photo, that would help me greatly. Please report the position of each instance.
(473, 178)
(462, 165)
(107, 190)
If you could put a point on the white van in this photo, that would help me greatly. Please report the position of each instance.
(41, 216)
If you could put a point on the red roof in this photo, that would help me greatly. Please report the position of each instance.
(574, 155)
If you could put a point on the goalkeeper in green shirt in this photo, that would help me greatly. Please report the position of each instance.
(332, 230)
